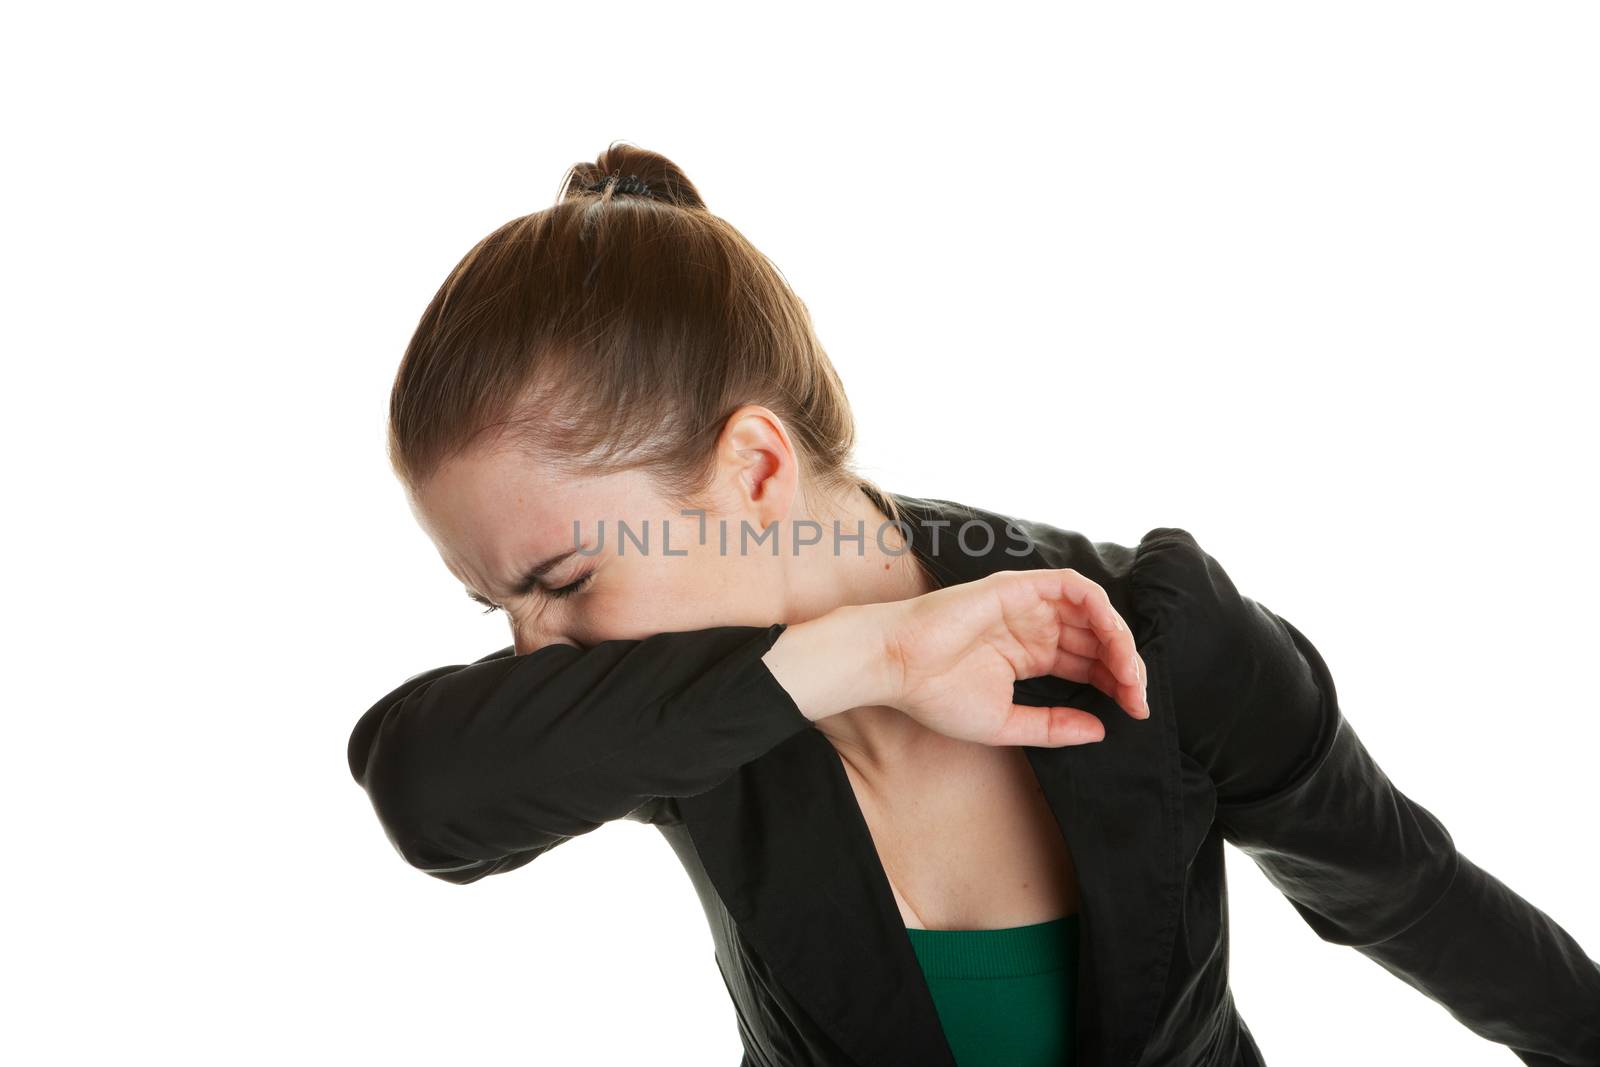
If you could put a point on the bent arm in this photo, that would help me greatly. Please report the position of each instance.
(1364, 864)
(479, 769)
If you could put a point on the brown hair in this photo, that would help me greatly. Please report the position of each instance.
(617, 330)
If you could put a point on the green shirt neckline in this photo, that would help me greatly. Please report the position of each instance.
(1006, 996)
(1006, 952)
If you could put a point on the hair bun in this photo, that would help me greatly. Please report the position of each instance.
(627, 170)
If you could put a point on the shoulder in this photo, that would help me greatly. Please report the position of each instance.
(1254, 700)
(1174, 592)
(1165, 577)
(1182, 587)
(960, 542)
(1169, 588)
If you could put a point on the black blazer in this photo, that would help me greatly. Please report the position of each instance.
(478, 770)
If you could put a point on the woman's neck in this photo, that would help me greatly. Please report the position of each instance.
(877, 568)
(860, 558)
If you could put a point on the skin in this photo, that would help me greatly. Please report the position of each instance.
(911, 685)
(494, 513)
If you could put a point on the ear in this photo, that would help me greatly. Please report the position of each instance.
(757, 468)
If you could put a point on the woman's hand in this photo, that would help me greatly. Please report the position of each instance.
(958, 650)
(949, 658)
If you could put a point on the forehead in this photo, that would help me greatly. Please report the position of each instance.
(487, 509)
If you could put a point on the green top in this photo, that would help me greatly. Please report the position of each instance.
(1004, 996)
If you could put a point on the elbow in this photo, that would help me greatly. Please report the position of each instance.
(424, 832)
(441, 813)
(425, 815)
(418, 841)
(411, 804)
(432, 853)
(438, 847)
(414, 795)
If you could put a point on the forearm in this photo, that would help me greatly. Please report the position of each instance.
(472, 766)
(1502, 968)
(1369, 867)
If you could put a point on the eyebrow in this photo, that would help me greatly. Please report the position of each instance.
(530, 578)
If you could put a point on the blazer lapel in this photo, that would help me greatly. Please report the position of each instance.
(1117, 803)
(785, 844)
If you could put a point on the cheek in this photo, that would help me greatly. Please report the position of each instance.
(618, 613)
(657, 594)
(634, 597)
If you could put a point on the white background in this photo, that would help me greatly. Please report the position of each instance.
(1314, 282)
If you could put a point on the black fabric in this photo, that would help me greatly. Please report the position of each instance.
(478, 769)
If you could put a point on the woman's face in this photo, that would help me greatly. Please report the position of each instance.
(504, 526)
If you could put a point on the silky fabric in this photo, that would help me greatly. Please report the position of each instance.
(477, 770)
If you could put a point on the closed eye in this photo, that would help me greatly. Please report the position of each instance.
(570, 587)
(564, 591)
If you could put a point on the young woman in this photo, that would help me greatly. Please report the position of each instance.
(952, 786)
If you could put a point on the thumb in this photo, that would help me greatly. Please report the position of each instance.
(1053, 727)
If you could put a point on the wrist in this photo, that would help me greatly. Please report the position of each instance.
(835, 662)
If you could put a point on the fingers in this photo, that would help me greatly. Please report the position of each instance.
(1092, 670)
(1087, 644)
(1049, 727)
(1133, 698)
(1096, 645)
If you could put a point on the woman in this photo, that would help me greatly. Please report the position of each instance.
(952, 786)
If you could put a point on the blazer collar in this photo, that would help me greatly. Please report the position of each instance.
(791, 856)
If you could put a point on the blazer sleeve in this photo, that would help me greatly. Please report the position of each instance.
(1363, 863)
(478, 769)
